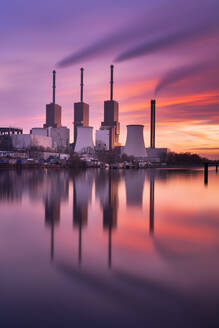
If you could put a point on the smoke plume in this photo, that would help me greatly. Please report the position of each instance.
(186, 71)
(164, 24)
(169, 40)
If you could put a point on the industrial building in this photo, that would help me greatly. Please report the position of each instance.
(81, 110)
(5, 136)
(54, 136)
(13, 138)
(111, 121)
(10, 130)
(53, 128)
(53, 110)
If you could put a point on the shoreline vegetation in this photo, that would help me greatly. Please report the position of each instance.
(103, 159)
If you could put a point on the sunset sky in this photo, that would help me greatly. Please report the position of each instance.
(163, 49)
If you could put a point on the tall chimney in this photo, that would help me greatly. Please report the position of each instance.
(111, 83)
(54, 87)
(82, 83)
(153, 102)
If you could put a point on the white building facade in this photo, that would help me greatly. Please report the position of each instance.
(60, 136)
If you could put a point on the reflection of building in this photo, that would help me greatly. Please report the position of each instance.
(107, 191)
(82, 185)
(52, 200)
(134, 181)
(11, 186)
(152, 204)
(52, 218)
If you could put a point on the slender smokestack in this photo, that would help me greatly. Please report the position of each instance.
(153, 102)
(111, 83)
(82, 83)
(54, 88)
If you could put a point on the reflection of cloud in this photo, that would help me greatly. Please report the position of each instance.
(134, 181)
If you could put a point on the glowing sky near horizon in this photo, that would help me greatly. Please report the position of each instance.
(170, 43)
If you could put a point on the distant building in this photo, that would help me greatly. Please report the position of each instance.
(5, 136)
(10, 130)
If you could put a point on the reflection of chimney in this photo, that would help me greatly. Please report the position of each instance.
(153, 123)
(82, 83)
(54, 87)
(52, 243)
(151, 204)
(111, 83)
(110, 209)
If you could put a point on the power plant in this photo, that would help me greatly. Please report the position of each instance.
(53, 111)
(81, 110)
(55, 137)
(108, 135)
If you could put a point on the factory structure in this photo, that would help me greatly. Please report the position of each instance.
(52, 136)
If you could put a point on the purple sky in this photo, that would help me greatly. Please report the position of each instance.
(168, 44)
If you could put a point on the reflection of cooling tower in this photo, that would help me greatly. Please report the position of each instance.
(84, 138)
(134, 195)
(135, 141)
(82, 196)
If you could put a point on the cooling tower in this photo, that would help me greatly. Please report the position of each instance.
(135, 141)
(84, 140)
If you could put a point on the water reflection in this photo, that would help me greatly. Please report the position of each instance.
(82, 191)
(134, 180)
(152, 204)
(107, 192)
(56, 191)
(156, 230)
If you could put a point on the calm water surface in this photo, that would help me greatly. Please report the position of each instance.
(134, 248)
